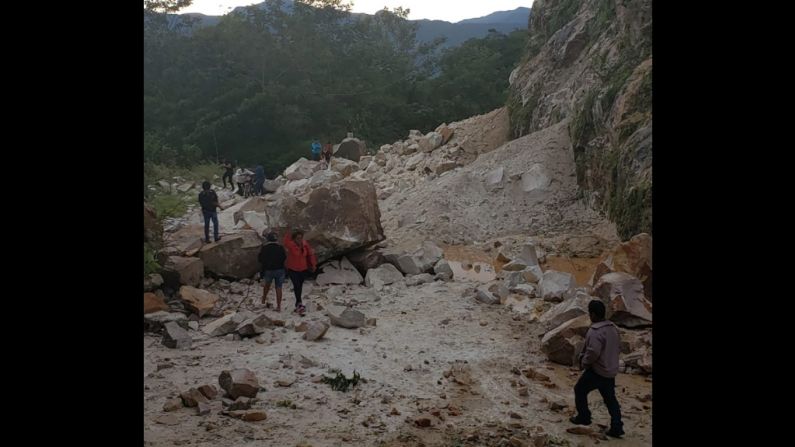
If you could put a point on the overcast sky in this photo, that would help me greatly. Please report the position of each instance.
(449, 10)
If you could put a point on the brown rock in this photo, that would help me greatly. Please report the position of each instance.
(153, 303)
(633, 257)
(197, 301)
(192, 397)
(315, 330)
(203, 409)
(239, 382)
(209, 391)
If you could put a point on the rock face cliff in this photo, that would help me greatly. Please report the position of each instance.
(590, 62)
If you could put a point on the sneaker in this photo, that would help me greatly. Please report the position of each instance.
(207, 241)
(615, 433)
(579, 421)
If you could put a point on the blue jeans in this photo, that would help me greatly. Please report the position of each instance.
(207, 216)
(277, 275)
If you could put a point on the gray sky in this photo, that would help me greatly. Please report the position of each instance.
(449, 10)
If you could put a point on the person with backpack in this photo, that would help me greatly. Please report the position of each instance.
(209, 203)
(300, 261)
(316, 150)
(272, 257)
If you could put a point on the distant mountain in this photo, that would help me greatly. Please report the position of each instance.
(518, 16)
(427, 30)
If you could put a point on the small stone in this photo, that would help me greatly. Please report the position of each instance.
(192, 398)
(203, 409)
(172, 404)
(285, 382)
(523, 391)
(209, 391)
(422, 421)
(515, 415)
(241, 403)
(394, 412)
(167, 419)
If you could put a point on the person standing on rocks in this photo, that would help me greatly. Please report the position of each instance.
(272, 257)
(228, 171)
(328, 149)
(300, 261)
(316, 150)
(599, 359)
(209, 203)
(259, 180)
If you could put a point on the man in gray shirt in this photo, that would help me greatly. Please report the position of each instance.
(599, 359)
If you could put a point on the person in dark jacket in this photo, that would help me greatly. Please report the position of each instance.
(228, 171)
(259, 180)
(599, 359)
(272, 257)
(209, 202)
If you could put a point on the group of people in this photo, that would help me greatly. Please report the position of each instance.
(295, 259)
(248, 182)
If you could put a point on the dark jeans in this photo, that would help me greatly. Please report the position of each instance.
(258, 187)
(298, 284)
(210, 215)
(229, 176)
(316, 157)
(590, 381)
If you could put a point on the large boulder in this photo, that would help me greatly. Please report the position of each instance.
(414, 161)
(183, 271)
(351, 148)
(301, 169)
(339, 272)
(336, 218)
(153, 231)
(185, 241)
(446, 132)
(344, 166)
(239, 382)
(385, 274)
(560, 344)
(624, 299)
(273, 185)
(567, 310)
(633, 257)
(233, 256)
(196, 300)
(556, 286)
(324, 176)
(430, 141)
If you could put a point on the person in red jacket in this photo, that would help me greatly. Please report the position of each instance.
(300, 260)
